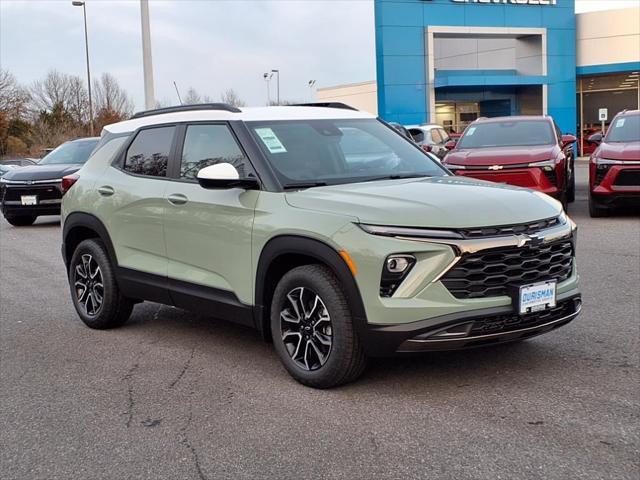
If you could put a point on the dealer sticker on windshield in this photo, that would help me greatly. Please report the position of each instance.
(536, 297)
(270, 140)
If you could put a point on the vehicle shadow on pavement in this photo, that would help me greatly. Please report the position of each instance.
(243, 348)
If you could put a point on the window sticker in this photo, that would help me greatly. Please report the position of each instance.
(270, 140)
(471, 131)
(620, 122)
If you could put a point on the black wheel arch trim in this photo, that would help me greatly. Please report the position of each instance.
(300, 245)
(91, 222)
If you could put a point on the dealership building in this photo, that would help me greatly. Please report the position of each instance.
(452, 61)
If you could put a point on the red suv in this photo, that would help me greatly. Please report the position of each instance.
(614, 169)
(527, 151)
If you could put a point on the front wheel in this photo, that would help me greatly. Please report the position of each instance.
(571, 194)
(21, 220)
(95, 293)
(596, 210)
(312, 328)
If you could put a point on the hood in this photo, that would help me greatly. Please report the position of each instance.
(42, 172)
(620, 151)
(437, 202)
(502, 155)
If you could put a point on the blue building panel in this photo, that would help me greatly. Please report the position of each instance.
(403, 62)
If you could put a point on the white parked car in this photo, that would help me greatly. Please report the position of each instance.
(431, 137)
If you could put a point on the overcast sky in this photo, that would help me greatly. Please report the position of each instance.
(209, 45)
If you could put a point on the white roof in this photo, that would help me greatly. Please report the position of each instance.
(246, 114)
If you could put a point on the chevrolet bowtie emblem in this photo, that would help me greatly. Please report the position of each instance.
(495, 167)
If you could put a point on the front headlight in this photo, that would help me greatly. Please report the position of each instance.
(451, 166)
(606, 163)
(547, 165)
(409, 232)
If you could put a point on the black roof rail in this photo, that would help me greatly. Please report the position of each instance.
(344, 106)
(187, 108)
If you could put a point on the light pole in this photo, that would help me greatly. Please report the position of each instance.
(277, 72)
(86, 45)
(147, 64)
(311, 84)
(267, 77)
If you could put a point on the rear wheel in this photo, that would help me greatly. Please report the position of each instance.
(312, 328)
(95, 293)
(596, 210)
(21, 220)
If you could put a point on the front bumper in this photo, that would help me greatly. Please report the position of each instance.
(468, 329)
(423, 305)
(530, 177)
(618, 185)
(48, 195)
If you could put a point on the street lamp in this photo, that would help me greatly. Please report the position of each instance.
(86, 45)
(311, 84)
(267, 77)
(277, 72)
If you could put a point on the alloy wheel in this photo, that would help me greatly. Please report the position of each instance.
(88, 284)
(306, 328)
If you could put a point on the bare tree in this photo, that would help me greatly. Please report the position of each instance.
(193, 97)
(60, 89)
(231, 97)
(110, 97)
(14, 99)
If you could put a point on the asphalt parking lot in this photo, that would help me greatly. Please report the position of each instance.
(172, 395)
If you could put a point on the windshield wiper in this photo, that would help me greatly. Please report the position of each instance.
(395, 177)
(301, 185)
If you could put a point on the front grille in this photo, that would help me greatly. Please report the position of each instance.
(493, 273)
(512, 321)
(44, 192)
(525, 228)
(628, 178)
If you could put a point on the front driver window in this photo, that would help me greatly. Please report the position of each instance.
(206, 145)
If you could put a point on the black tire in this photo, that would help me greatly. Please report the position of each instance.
(344, 360)
(564, 200)
(571, 189)
(596, 210)
(21, 220)
(90, 258)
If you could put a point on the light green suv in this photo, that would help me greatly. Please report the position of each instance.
(334, 236)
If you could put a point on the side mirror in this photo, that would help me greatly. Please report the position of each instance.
(568, 140)
(224, 175)
(450, 145)
(596, 138)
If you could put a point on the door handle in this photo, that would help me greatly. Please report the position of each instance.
(106, 191)
(177, 199)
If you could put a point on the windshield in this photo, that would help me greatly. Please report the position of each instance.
(625, 129)
(70, 152)
(509, 133)
(339, 151)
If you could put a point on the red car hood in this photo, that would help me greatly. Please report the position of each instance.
(620, 151)
(501, 155)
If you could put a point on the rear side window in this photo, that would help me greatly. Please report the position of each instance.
(417, 135)
(148, 154)
(206, 145)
